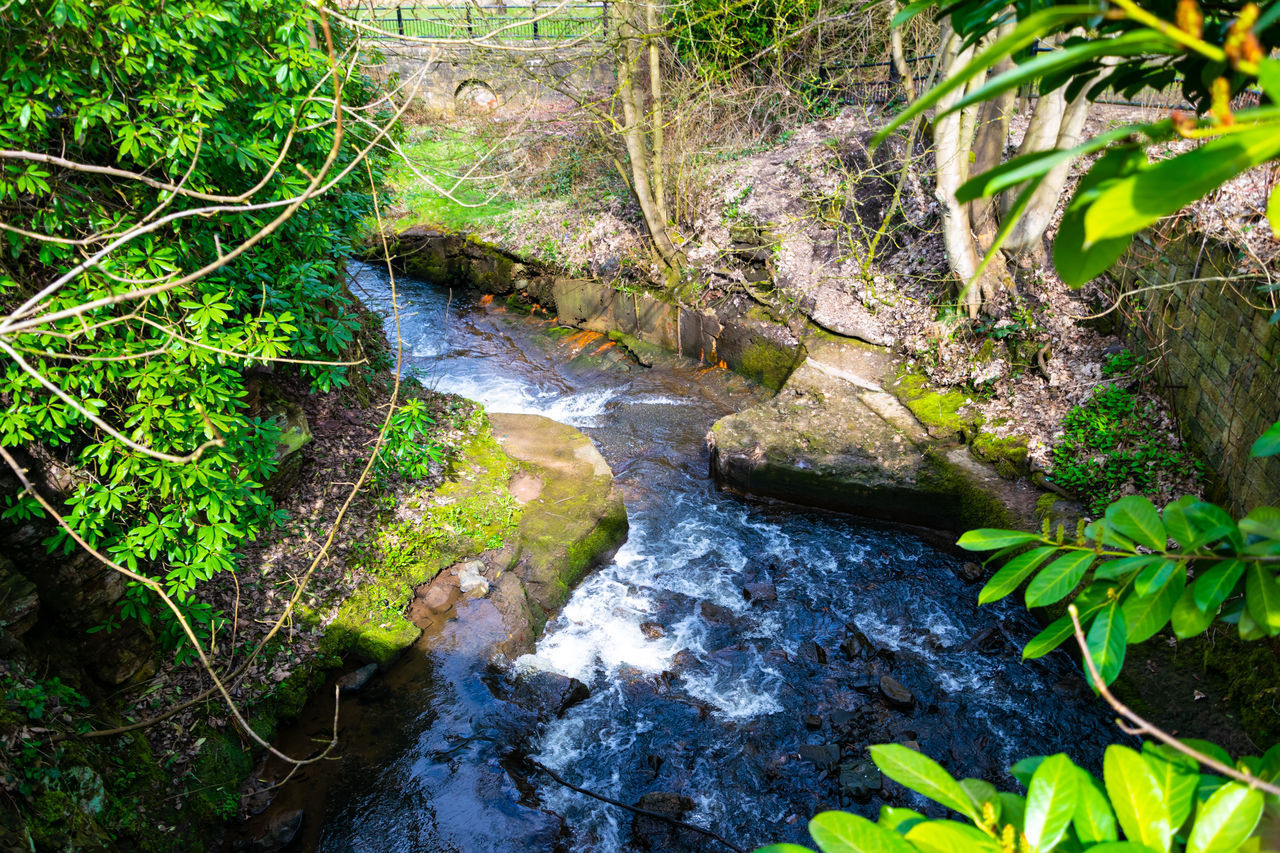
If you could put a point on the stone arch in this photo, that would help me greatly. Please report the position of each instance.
(475, 94)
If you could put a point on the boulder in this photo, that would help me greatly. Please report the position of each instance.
(354, 682)
(127, 659)
(470, 580)
(757, 592)
(660, 836)
(273, 835)
(821, 755)
(652, 630)
(539, 688)
(19, 601)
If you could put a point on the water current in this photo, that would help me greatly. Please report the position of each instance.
(758, 711)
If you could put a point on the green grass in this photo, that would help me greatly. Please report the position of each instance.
(441, 154)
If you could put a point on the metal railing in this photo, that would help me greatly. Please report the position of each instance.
(580, 21)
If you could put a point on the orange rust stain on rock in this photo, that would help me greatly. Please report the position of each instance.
(486, 299)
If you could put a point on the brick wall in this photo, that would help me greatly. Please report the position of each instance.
(1217, 355)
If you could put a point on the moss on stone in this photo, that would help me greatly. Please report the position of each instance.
(471, 513)
(939, 411)
(1008, 454)
(974, 506)
(767, 363)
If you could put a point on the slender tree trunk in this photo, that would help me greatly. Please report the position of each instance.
(898, 57)
(988, 151)
(658, 175)
(633, 136)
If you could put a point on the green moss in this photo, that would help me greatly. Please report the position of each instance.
(471, 513)
(609, 533)
(215, 776)
(643, 351)
(1008, 455)
(974, 506)
(939, 411)
(1251, 672)
(768, 363)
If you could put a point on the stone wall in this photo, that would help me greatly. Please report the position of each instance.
(1216, 354)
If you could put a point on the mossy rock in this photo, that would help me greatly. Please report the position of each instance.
(940, 411)
(1008, 454)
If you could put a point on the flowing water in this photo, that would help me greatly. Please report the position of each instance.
(758, 711)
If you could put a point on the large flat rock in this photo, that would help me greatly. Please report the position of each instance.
(833, 438)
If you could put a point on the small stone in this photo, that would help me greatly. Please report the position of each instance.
(353, 682)
(822, 755)
(815, 652)
(754, 592)
(813, 722)
(897, 695)
(970, 572)
(860, 780)
(438, 598)
(471, 582)
(652, 630)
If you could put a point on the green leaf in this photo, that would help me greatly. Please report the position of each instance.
(1136, 43)
(924, 776)
(841, 832)
(1208, 748)
(1137, 797)
(1136, 518)
(1262, 521)
(1179, 776)
(1124, 566)
(1013, 573)
(1269, 442)
(1145, 615)
(1076, 262)
(906, 13)
(1154, 576)
(1139, 200)
(947, 836)
(1013, 809)
(1021, 36)
(899, 820)
(1269, 79)
(1057, 579)
(1188, 619)
(1025, 770)
(1262, 598)
(1051, 801)
(1106, 642)
(1226, 820)
(1216, 585)
(1177, 523)
(989, 539)
(1093, 819)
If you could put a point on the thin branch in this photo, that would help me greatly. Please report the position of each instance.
(1139, 726)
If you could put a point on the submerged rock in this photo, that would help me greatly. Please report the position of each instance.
(659, 836)
(275, 834)
(754, 592)
(354, 682)
(859, 780)
(539, 688)
(898, 696)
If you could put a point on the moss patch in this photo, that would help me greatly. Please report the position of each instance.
(943, 413)
(767, 363)
(1008, 455)
(471, 513)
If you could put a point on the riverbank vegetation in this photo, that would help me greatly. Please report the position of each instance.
(181, 340)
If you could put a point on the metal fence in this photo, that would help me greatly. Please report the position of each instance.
(535, 22)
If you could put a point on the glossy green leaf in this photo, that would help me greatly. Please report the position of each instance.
(1076, 262)
(1107, 640)
(1262, 521)
(841, 832)
(1154, 576)
(1269, 79)
(1136, 517)
(1188, 619)
(947, 836)
(1137, 798)
(1216, 584)
(1022, 36)
(1177, 523)
(1093, 819)
(1273, 219)
(1227, 819)
(1056, 580)
(1208, 748)
(989, 539)
(1013, 573)
(1013, 809)
(1268, 444)
(1262, 598)
(1051, 801)
(1124, 566)
(1179, 776)
(1137, 201)
(924, 776)
(899, 819)
(1026, 769)
(1145, 615)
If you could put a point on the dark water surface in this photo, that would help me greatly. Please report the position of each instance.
(753, 710)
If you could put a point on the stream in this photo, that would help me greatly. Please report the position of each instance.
(757, 711)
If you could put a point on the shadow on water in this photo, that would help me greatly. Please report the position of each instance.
(740, 655)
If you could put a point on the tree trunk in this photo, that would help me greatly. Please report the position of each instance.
(898, 57)
(639, 157)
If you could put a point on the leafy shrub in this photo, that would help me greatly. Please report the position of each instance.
(409, 451)
(1113, 444)
(96, 84)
